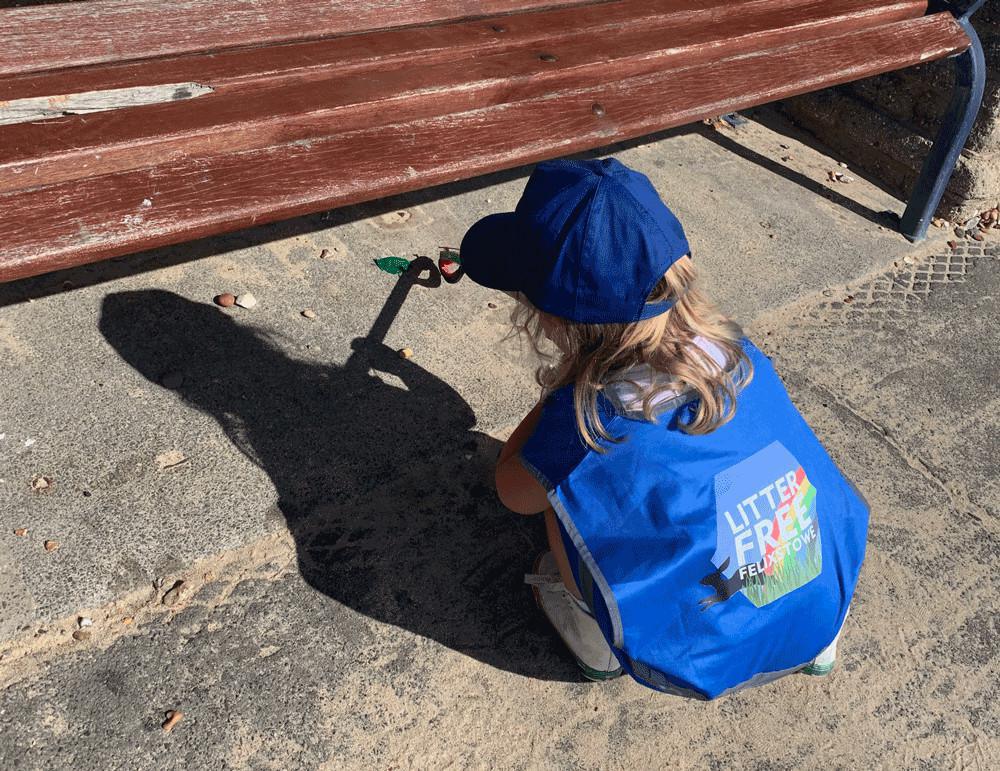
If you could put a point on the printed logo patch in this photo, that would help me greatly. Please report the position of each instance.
(767, 529)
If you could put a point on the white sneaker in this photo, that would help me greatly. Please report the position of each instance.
(823, 664)
(572, 620)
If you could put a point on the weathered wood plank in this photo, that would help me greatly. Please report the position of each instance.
(54, 36)
(41, 108)
(88, 220)
(441, 42)
(240, 118)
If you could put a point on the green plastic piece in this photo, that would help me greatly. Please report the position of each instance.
(451, 254)
(394, 265)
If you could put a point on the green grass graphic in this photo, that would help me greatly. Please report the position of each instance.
(795, 570)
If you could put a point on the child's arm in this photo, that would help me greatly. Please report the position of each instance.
(517, 487)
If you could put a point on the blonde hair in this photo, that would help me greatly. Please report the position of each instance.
(591, 355)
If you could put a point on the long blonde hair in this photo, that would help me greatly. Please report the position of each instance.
(591, 355)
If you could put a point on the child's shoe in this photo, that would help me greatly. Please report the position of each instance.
(823, 664)
(573, 621)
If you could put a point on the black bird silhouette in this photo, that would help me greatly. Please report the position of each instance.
(724, 587)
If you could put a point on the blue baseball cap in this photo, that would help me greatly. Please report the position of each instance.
(588, 241)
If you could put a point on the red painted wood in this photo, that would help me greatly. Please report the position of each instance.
(87, 220)
(241, 117)
(440, 42)
(53, 36)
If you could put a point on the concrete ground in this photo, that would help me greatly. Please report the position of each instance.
(351, 590)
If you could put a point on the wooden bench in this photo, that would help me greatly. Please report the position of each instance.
(131, 125)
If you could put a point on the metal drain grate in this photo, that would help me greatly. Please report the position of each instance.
(896, 292)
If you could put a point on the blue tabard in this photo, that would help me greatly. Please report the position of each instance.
(712, 562)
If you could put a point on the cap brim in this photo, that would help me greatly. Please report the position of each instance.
(491, 250)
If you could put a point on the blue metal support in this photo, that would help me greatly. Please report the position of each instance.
(970, 81)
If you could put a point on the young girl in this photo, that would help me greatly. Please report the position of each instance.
(701, 538)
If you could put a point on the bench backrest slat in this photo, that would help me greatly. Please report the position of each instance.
(54, 36)
(427, 45)
(247, 114)
(44, 38)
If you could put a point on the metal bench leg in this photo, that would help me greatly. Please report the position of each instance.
(970, 79)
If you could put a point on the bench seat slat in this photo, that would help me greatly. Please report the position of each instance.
(87, 220)
(247, 117)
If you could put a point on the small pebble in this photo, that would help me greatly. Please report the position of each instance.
(246, 300)
(953, 245)
(51, 545)
(938, 222)
(21, 531)
(81, 635)
(405, 353)
(226, 299)
(41, 483)
(127, 620)
(492, 306)
(324, 254)
(309, 313)
(842, 165)
(172, 380)
(83, 622)
(960, 232)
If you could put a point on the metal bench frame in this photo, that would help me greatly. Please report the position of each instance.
(970, 82)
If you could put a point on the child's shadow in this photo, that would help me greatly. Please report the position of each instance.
(384, 484)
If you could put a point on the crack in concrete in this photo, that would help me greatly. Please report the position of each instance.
(959, 502)
(24, 655)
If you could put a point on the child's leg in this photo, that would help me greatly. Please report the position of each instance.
(560, 600)
(559, 552)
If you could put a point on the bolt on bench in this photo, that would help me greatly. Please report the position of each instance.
(131, 125)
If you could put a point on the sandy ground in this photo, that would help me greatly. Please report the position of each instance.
(352, 592)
